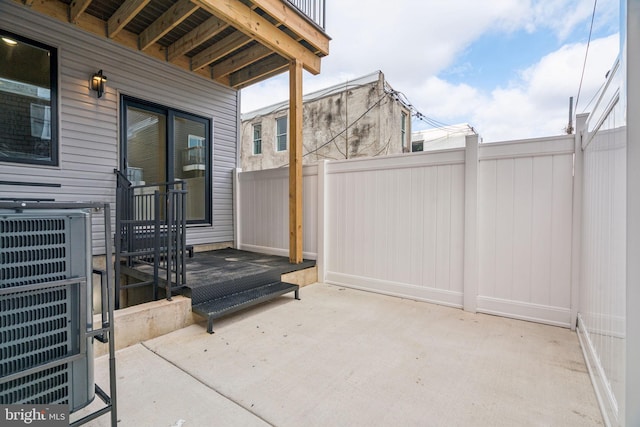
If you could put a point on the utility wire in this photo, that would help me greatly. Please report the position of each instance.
(345, 129)
(397, 96)
(402, 98)
(586, 53)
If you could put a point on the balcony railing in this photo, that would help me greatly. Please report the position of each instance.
(313, 9)
(193, 158)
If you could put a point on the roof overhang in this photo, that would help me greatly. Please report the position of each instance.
(234, 42)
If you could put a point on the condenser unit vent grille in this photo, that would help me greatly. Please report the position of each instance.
(45, 297)
(32, 250)
(50, 386)
(36, 328)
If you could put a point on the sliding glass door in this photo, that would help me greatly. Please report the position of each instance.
(160, 144)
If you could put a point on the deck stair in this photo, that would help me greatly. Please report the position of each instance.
(242, 280)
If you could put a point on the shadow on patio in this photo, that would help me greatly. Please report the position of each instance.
(346, 357)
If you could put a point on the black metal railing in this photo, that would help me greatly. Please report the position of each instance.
(313, 9)
(151, 233)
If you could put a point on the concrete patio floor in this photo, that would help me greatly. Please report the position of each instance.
(341, 357)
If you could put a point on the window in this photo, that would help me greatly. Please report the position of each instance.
(403, 129)
(417, 146)
(28, 101)
(257, 138)
(281, 133)
(161, 144)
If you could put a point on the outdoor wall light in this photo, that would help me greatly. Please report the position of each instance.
(10, 42)
(98, 81)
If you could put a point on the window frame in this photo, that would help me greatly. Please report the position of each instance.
(286, 134)
(257, 142)
(171, 114)
(54, 73)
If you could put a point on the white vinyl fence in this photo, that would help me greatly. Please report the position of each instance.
(524, 229)
(262, 208)
(500, 228)
(602, 316)
(486, 227)
(396, 225)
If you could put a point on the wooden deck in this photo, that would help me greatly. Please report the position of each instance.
(227, 280)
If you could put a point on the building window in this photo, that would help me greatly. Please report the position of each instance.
(257, 138)
(403, 129)
(161, 144)
(281, 133)
(417, 146)
(28, 101)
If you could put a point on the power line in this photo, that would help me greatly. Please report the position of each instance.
(345, 129)
(348, 126)
(402, 98)
(586, 53)
(397, 96)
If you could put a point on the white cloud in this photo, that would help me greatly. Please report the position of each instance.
(536, 104)
(409, 39)
(413, 41)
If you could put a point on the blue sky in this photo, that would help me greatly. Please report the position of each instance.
(492, 59)
(507, 67)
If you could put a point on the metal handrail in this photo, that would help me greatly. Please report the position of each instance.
(151, 231)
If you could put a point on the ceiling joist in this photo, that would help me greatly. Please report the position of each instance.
(255, 26)
(125, 13)
(177, 13)
(239, 61)
(219, 50)
(205, 31)
(77, 8)
(262, 70)
(234, 42)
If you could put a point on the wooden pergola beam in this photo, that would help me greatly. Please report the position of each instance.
(296, 23)
(77, 8)
(295, 162)
(177, 13)
(124, 15)
(218, 50)
(244, 19)
(196, 37)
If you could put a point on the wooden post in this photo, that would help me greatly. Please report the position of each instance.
(295, 162)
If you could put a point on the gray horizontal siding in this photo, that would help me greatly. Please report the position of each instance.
(89, 127)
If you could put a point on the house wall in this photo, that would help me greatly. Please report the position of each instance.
(372, 115)
(631, 47)
(89, 127)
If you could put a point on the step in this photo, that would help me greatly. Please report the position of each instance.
(224, 305)
(205, 289)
